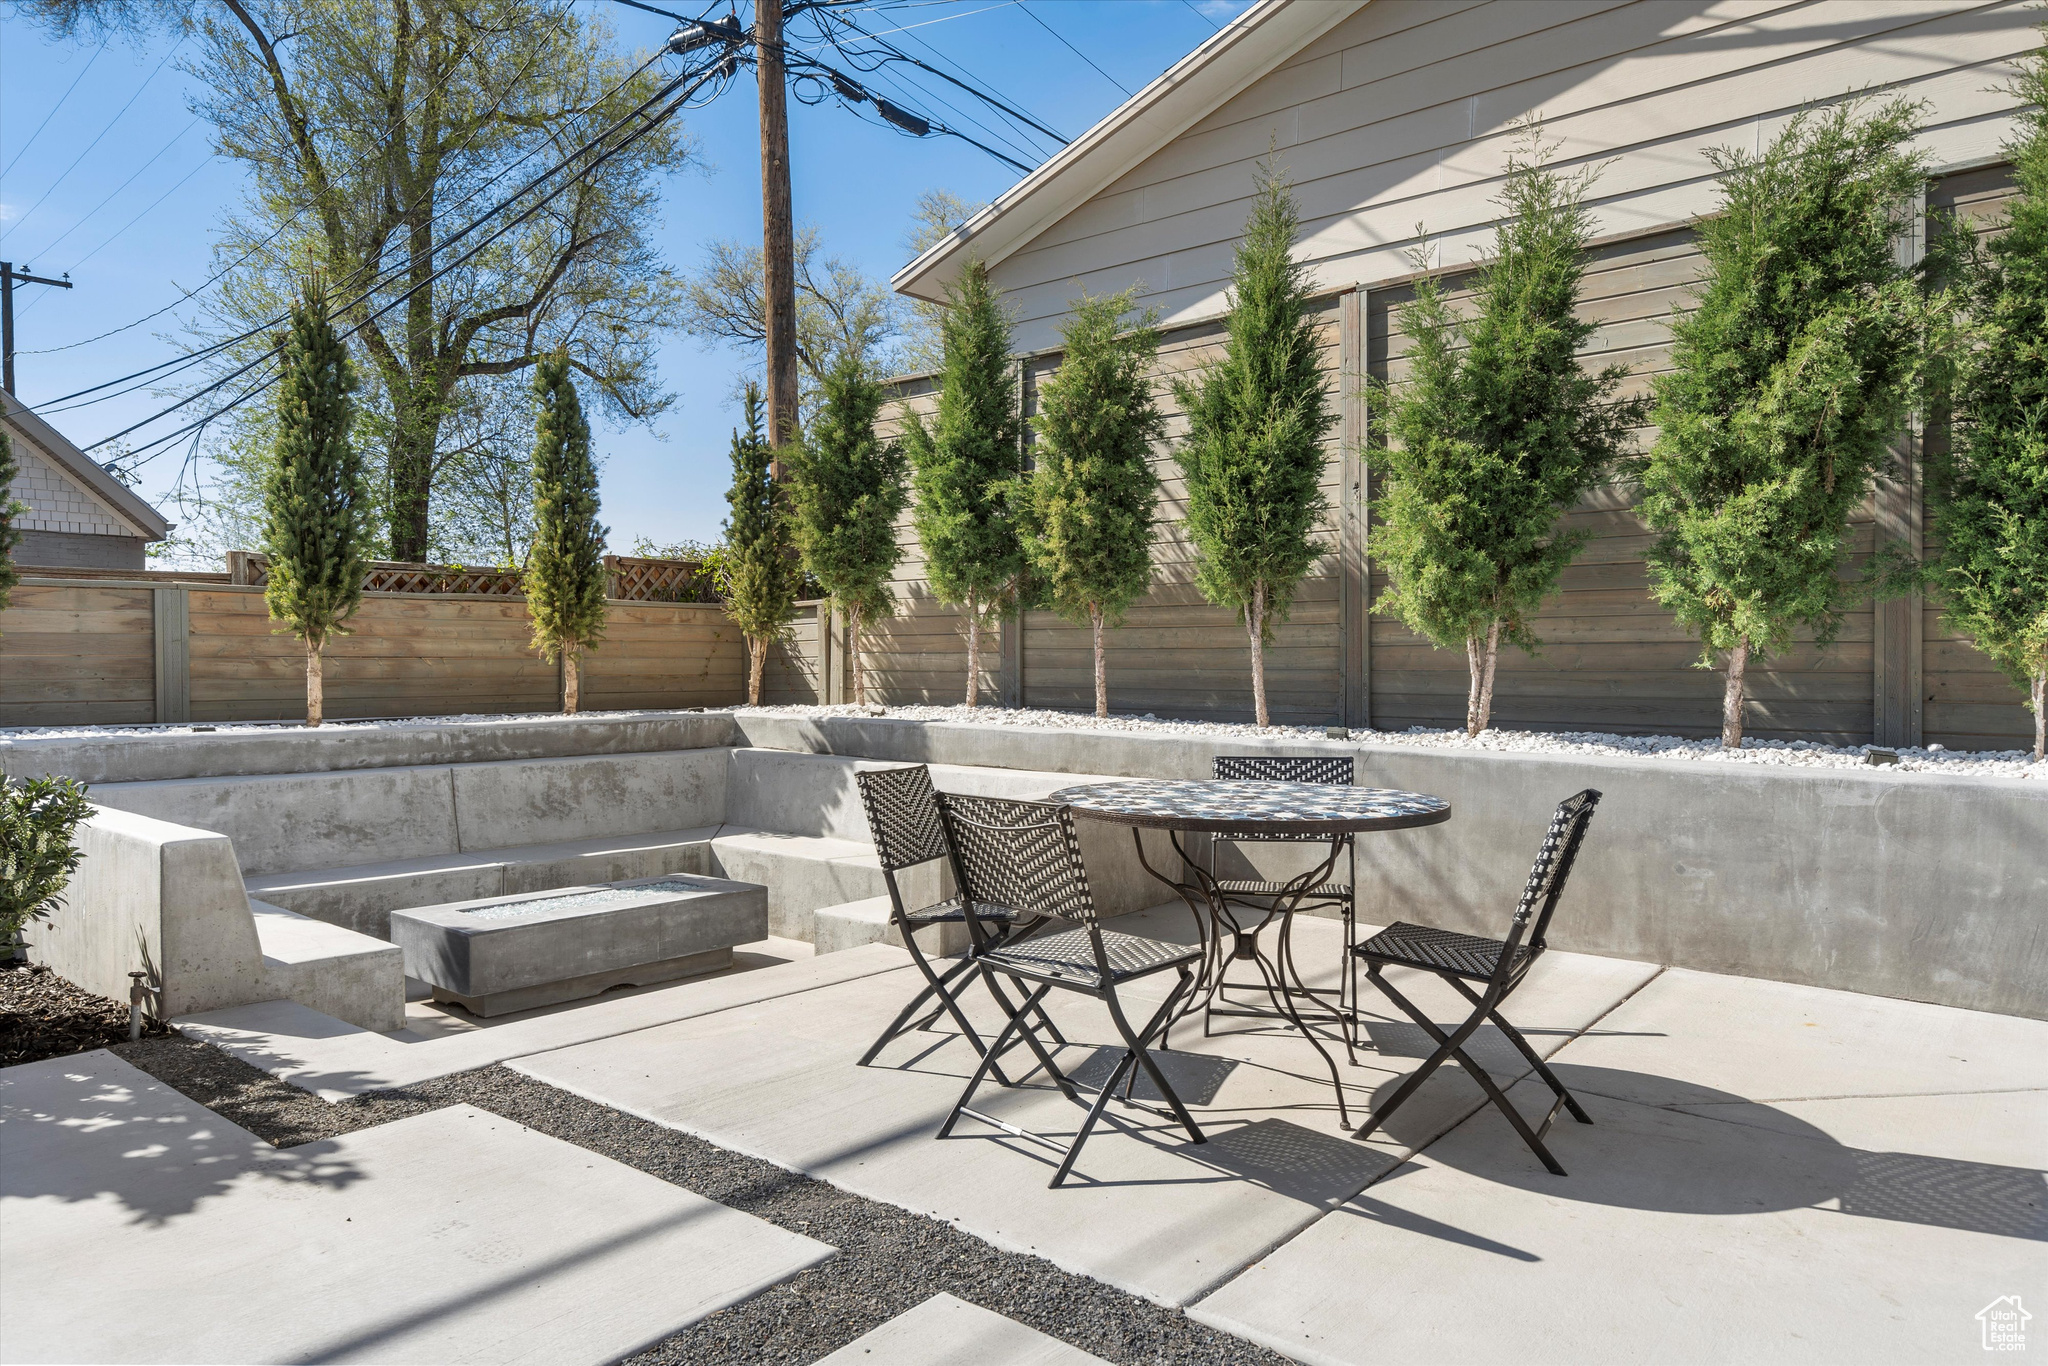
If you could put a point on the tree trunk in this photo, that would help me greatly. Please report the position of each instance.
(1475, 666)
(316, 685)
(2041, 714)
(757, 666)
(1479, 710)
(1101, 673)
(1255, 625)
(860, 684)
(1731, 701)
(973, 650)
(572, 683)
(412, 481)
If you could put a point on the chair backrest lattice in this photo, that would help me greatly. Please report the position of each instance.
(1022, 855)
(1284, 768)
(903, 815)
(1553, 865)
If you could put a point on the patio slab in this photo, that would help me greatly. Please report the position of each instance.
(336, 1060)
(139, 1226)
(947, 1331)
(1676, 1238)
(1148, 1211)
(1776, 1041)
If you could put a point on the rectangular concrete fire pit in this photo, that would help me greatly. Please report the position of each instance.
(509, 953)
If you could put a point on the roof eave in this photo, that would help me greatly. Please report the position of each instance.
(1248, 48)
(87, 471)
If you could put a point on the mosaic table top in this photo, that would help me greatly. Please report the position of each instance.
(1254, 807)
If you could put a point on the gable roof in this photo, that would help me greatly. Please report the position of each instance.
(1247, 48)
(55, 447)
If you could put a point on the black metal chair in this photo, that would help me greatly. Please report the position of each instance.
(904, 821)
(1498, 965)
(1262, 897)
(1016, 855)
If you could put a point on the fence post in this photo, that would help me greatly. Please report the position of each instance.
(1895, 625)
(173, 627)
(834, 627)
(1354, 589)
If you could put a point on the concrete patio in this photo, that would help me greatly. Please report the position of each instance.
(1775, 1173)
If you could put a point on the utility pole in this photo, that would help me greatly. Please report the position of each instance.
(778, 231)
(8, 277)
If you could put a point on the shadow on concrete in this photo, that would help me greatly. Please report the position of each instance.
(75, 1133)
(1746, 1158)
(1195, 1077)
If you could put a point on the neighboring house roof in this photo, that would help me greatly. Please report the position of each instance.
(53, 446)
(1248, 48)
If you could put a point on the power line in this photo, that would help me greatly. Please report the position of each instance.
(1197, 9)
(87, 215)
(116, 233)
(191, 359)
(1071, 48)
(648, 125)
(23, 150)
(96, 141)
(988, 96)
(282, 228)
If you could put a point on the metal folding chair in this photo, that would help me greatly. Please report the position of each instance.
(1024, 856)
(904, 821)
(1263, 898)
(1498, 965)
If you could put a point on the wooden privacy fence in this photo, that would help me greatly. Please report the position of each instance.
(1613, 658)
(121, 647)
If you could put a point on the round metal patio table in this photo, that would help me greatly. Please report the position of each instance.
(1242, 809)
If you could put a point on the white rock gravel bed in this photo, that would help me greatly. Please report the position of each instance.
(2006, 763)
(2010, 763)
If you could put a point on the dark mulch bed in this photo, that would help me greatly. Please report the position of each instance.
(44, 1016)
(889, 1261)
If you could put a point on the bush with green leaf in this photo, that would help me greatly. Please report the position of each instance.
(1988, 486)
(39, 820)
(1790, 383)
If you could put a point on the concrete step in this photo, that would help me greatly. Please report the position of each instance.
(332, 970)
(855, 923)
(363, 897)
(806, 872)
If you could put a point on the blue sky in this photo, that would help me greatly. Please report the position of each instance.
(120, 188)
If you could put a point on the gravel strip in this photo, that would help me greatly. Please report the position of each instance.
(2004, 763)
(889, 1260)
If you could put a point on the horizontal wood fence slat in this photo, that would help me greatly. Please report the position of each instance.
(86, 652)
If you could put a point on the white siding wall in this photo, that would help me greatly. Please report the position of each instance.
(58, 503)
(1404, 113)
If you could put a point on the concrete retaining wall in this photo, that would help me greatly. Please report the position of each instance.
(157, 898)
(1907, 885)
(296, 822)
(147, 756)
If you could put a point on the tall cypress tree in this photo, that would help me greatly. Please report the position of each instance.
(967, 465)
(1093, 492)
(565, 568)
(758, 572)
(9, 510)
(847, 491)
(1498, 432)
(1989, 486)
(1253, 458)
(315, 503)
(1790, 382)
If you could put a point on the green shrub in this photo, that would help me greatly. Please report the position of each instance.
(39, 819)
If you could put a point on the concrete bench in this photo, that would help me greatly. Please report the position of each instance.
(502, 954)
(351, 846)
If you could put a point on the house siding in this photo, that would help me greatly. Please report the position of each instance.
(1402, 116)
